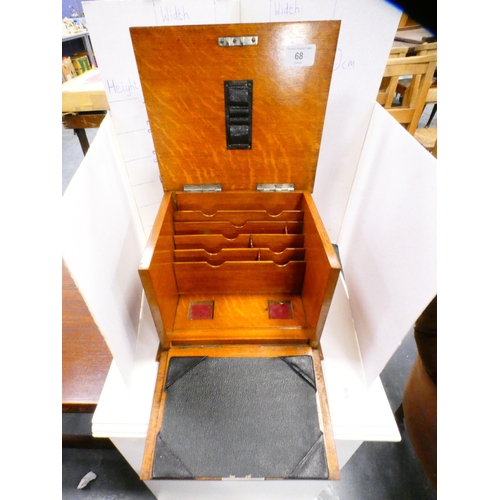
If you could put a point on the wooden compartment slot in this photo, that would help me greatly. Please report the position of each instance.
(272, 203)
(254, 290)
(239, 277)
(246, 267)
(229, 230)
(240, 268)
(238, 217)
(239, 254)
(214, 243)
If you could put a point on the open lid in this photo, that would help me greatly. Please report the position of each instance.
(237, 105)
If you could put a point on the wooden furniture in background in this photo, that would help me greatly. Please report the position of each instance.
(84, 104)
(420, 72)
(400, 51)
(407, 23)
(427, 136)
(395, 52)
(85, 356)
(423, 49)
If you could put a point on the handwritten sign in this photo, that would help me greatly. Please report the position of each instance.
(342, 61)
(173, 14)
(123, 88)
(285, 9)
(261, 11)
(184, 12)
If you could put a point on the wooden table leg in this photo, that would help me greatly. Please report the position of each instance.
(80, 121)
(82, 137)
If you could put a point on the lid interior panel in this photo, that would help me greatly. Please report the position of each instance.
(183, 70)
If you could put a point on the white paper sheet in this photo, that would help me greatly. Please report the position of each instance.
(388, 242)
(102, 244)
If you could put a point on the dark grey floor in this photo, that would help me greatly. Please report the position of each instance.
(72, 154)
(377, 471)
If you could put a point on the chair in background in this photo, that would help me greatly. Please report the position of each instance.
(418, 72)
(427, 136)
(395, 52)
(398, 51)
(422, 49)
(407, 23)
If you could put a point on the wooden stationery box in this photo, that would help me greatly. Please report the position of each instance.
(238, 271)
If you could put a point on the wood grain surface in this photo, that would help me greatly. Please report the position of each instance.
(239, 254)
(230, 266)
(322, 271)
(156, 271)
(239, 277)
(182, 71)
(240, 310)
(210, 203)
(325, 419)
(85, 356)
(155, 419)
(202, 246)
(237, 217)
(214, 243)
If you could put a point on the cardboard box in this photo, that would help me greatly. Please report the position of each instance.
(81, 63)
(68, 70)
(84, 93)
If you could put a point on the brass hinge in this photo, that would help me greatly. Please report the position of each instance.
(202, 188)
(275, 187)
